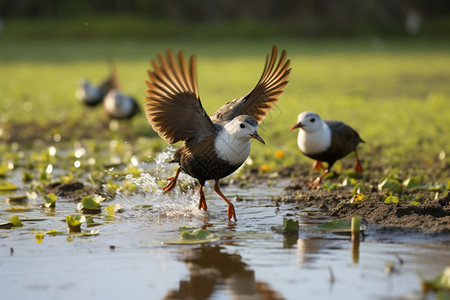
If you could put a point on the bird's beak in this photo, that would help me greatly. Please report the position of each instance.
(298, 125)
(256, 136)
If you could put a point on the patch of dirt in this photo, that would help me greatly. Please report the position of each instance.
(430, 215)
(71, 190)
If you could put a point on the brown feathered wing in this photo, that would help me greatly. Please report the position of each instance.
(260, 99)
(173, 105)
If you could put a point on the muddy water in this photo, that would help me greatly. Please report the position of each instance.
(129, 258)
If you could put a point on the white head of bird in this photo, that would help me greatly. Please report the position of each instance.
(314, 135)
(233, 142)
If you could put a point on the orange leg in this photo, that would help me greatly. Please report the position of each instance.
(358, 166)
(202, 203)
(231, 212)
(317, 165)
(172, 181)
(315, 183)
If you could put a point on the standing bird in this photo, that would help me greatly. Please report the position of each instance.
(325, 141)
(120, 106)
(92, 95)
(214, 147)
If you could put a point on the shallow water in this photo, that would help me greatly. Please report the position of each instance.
(129, 258)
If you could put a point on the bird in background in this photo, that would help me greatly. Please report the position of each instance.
(214, 146)
(325, 141)
(92, 95)
(120, 106)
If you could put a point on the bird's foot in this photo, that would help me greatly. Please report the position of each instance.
(317, 166)
(315, 183)
(231, 213)
(202, 202)
(172, 182)
(358, 167)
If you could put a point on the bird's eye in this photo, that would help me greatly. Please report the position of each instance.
(242, 125)
(313, 120)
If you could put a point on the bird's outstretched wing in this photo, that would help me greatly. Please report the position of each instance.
(173, 105)
(260, 99)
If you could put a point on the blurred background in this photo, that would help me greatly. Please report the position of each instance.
(171, 18)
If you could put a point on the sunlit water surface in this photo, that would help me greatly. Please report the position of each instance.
(129, 258)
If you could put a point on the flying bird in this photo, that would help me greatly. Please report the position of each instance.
(214, 146)
(325, 141)
(120, 106)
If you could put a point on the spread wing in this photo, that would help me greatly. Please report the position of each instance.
(259, 101)
(173, 106)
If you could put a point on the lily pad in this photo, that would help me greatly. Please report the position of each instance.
(17, 199)
(198, 236)
(91, 204)
(39, 237)
(50, 200)
(111, 210)
(16, 221)
(290, 225)
(74, 223)
(6, 186)
(440, 283)
(54, 232)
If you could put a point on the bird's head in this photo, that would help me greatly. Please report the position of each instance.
(308, 121)
(244, 127)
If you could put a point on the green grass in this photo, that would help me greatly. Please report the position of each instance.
(395, 93)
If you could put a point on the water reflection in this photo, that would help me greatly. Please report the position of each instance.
(211, 269)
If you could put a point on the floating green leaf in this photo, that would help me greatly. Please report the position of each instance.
(4, 168)
(91, 204)
(7, 186)
(348, 182)
(111, 210)
(39, 237)
(50, 200)
(74, 223)
(16, 221)
(17, 199)
(439, 283)
(54, 232)
(355, 224)
(391, 199)
(198, 236)
(390, 185)
(290, 225)
(411, 182)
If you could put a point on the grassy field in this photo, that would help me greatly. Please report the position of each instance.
(395, 93)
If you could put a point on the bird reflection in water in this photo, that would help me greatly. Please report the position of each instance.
(211, 268)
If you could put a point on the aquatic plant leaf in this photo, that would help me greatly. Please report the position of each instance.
(50, 200)
(190, 237)
(4, 168)
(91, 204)
(6, 225)
(348, 182)
(111, 210)
(330, 186)
(74, 223)
(391, 199)
(16, 221)
(7, 186)
(17, 199)
(358, 198)
(440, 283)
(390, 185)
(54, 232)
(39, 237)
(18, 209)
(290, 225)
(355, 224)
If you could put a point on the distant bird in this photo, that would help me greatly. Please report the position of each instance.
(92, 95)
(214, 147)
(326, 141)
(120, 106)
